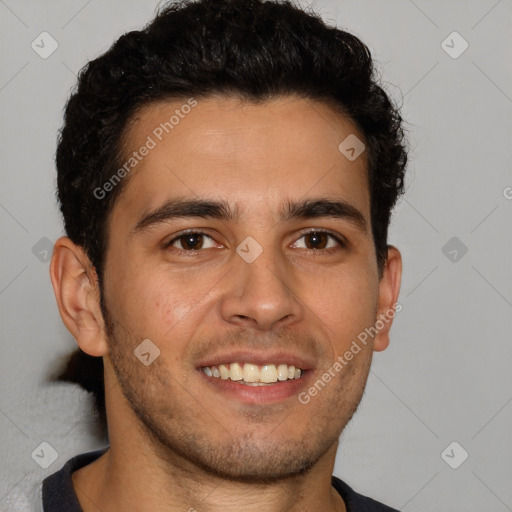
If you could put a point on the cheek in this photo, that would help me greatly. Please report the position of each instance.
(157, 303)
(344, 299)
(168, 311)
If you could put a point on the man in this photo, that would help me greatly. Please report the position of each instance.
(226, 178)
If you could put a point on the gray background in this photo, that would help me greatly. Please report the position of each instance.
(446, 376)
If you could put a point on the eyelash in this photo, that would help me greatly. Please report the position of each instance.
(338, 238)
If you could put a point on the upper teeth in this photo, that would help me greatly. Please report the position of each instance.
(253, 373)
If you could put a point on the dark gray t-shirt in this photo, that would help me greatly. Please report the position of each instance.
(59, 494)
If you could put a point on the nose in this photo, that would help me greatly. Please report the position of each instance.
(260, 294)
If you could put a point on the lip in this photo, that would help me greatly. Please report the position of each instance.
(259, 358)
(257, 395)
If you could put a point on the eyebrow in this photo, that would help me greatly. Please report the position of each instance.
(317, 208)
(222, 210)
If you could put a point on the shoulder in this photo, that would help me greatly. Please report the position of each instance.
(57, 491)
(356, 502)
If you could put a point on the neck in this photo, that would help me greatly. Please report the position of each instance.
(114, 483)
(137, 473)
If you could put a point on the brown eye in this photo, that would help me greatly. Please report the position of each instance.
(318, 240)
(191, 242)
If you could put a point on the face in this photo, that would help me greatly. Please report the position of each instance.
(241, 243)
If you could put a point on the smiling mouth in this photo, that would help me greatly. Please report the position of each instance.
(253, 374)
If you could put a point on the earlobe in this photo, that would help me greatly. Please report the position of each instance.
(77, 292)
(389, 289)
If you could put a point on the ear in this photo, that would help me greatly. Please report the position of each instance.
(388, 306)
(76, 288)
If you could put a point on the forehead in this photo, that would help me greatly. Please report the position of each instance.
(256, 155)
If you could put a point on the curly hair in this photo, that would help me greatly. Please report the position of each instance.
(252, 49)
